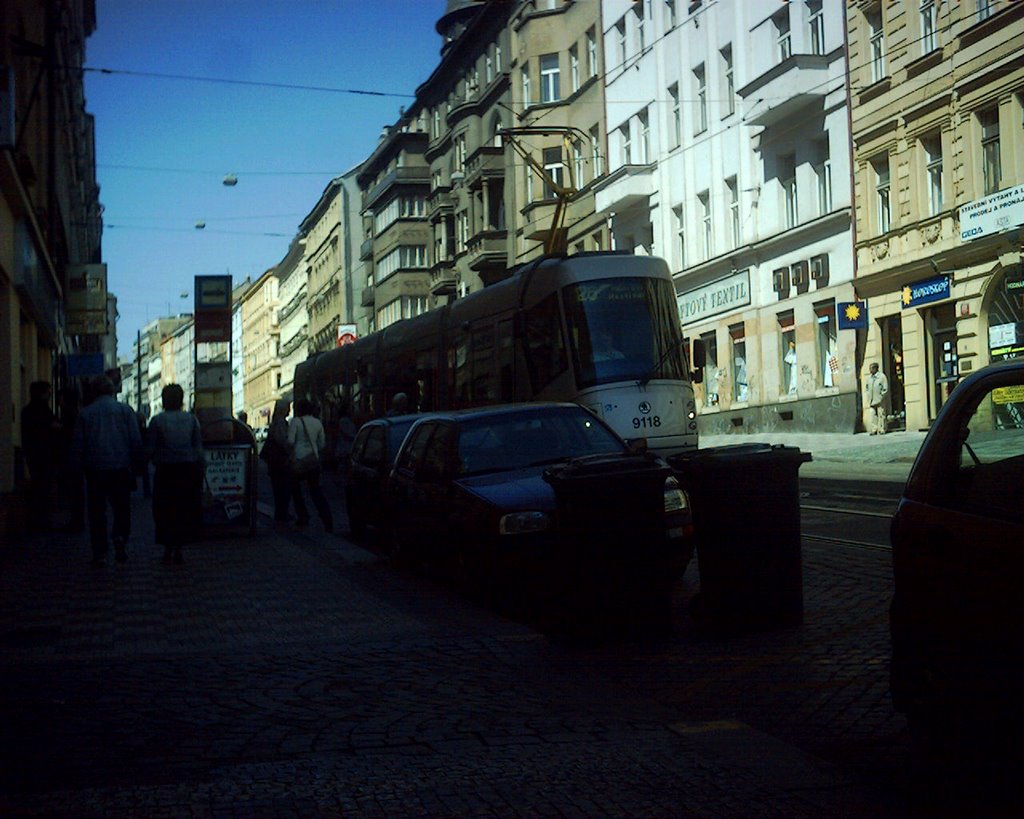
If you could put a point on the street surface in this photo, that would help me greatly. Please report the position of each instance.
(295, 673)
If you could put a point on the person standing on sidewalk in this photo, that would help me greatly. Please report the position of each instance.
(176, 447)
(876, 388)
(106, 446)
(39, 438)
(277, 454)
(306, 439)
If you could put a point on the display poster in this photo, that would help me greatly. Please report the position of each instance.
(226, 486)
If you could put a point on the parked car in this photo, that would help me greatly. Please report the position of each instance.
(373, 454)
(957, 616)
(540, 492)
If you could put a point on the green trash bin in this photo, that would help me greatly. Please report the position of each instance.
(746, 514)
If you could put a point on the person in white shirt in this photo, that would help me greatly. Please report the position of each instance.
(307, 440)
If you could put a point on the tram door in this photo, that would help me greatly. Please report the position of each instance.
(945, 370)
(892, 343)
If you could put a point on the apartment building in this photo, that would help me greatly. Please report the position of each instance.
(49, 213)
(334, 273)
(260, 339)
(292, 316)
(727, 156)
(938, 151)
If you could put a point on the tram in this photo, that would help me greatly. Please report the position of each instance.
(599, 328)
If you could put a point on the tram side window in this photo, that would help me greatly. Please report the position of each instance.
(483, 365)
(545, 346)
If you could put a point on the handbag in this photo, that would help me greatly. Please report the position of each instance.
(306, 464)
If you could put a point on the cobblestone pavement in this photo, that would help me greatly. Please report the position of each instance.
(295, 673)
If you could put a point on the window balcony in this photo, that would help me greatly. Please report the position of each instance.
(792, 85)
(366, 249)
(488, 249)
(625, 187)
(366, 299)
(442, 278)
(487, 162)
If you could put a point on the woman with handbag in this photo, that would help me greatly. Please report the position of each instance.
(277, 454)
(176, 448)
(307, 440)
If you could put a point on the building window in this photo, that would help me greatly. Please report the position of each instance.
(626, 144)
(700, 83)
(816, 24)
(704, 199)
(488, 68)
(991, 164)
(525, 75)
(436, 123)
(933, 169)
(574, 68)
(680, 236)
(677, 122)
(783, 42)
(549, 78)
(620, 37)
(596, 157)
(734, 210)
(710, 369)
(729, 81)
(497, 59)
(641, 34)
(529, 183)
(553, 167)
(738, 339)
(928, 39)
(460, 152)
(643, 120)
(823, 175)
(985, 8)
(787, 176)
(828, 363)
(578, 162)
(881, 169)
(787, 353)
(591, 53)
(670, 14)
(876, 34)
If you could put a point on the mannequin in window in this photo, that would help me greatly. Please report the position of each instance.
(790, 359)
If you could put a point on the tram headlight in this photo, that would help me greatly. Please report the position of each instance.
(519, 523)
(676, 499)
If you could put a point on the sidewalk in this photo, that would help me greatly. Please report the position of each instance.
(837, 455)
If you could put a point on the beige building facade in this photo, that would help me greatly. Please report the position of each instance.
(260, 337)
(938, 154)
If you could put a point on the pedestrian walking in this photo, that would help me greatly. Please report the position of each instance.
(277, 455)
(306, 440)
(107, 447)
(143, 467)
(40, 437)
(70, 481)
(176, 448)
(876, 388)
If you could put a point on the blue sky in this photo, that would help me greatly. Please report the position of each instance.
(164, 145)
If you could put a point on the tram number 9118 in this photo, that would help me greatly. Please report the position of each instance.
(647, 422)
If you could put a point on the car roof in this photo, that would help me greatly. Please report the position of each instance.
(495, 410)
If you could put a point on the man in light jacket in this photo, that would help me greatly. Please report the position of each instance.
(106, 446)
(876, 388)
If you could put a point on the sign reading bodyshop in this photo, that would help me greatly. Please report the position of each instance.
(997, 213)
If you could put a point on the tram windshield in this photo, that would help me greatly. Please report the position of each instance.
(623, 329)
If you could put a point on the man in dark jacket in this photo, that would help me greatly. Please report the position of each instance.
(107, 446)
(39, 436)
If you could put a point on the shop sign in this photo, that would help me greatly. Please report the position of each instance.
(926, 291)
(997, 213)
(226, 484)
(346, 334)
(711, 299)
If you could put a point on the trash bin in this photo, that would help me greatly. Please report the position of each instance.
(746, 516)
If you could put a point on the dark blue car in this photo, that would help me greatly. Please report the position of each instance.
(546, 493)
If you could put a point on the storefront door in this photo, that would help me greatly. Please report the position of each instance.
(945, 371)
(892, 366)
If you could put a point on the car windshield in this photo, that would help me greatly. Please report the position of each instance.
(623, 328)
(531, 438)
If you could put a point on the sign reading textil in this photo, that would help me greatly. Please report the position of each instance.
(924, 292)
(717, 297)
(994, 214)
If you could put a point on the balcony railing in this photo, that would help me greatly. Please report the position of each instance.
(488, 248)
(442, 278)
